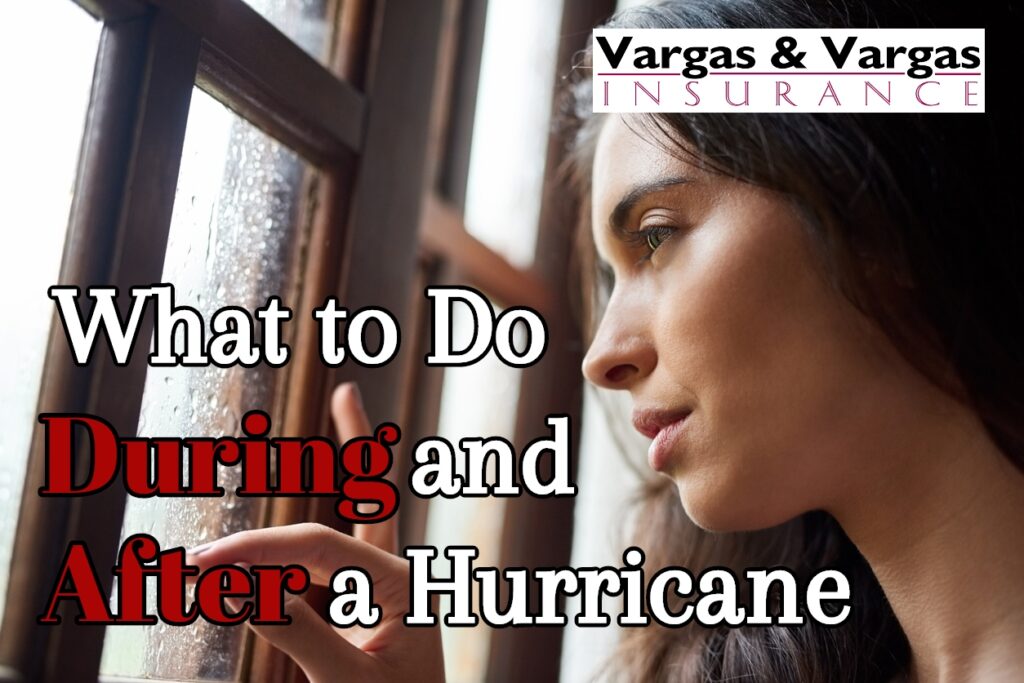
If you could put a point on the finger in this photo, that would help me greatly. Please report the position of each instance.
(314, 645)
(349, 415)
(351, 421)
(321, 550)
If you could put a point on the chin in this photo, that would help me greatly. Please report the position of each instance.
(725, 509)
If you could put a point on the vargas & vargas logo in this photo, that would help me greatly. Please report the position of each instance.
(783, 70)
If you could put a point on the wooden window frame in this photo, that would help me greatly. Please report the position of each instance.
(151, 54)
(536, 532)
(396, 55)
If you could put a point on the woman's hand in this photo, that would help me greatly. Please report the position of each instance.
(389, 651)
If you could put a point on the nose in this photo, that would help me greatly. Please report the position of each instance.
(622, 352)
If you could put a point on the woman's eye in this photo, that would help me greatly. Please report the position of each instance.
(655, 236)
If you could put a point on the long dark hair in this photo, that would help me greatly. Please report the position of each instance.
(918, 221)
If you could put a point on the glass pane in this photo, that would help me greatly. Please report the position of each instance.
(512, 123)
(235, 231)
(41, 124)
(307, 22)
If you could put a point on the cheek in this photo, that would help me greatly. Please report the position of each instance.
(770, 353)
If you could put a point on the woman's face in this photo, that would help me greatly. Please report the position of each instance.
(766, 392)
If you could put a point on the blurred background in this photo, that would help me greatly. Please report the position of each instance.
(301, 148)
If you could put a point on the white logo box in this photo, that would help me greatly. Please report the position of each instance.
(741, 76)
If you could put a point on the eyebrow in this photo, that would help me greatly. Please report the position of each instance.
(618, 216)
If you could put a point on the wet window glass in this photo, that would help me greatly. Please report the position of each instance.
(236, 233)
(306, 22)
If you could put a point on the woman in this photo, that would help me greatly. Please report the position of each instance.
(816, 319)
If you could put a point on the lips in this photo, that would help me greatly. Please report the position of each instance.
(664, 427)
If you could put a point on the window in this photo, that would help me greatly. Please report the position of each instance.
(235, 237)
(220, 157)
(243, 149)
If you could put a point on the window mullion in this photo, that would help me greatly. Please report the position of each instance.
(116, 394)
(117, 236)
(114, 10)
(90, 242)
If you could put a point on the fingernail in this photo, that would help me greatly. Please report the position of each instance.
(367, 509)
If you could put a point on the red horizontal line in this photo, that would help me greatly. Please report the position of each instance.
(790, 73)
(649, 73)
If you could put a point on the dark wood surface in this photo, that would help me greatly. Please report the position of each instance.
(143, 228)
(381, 242)
(262, 75)
(114, 10)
